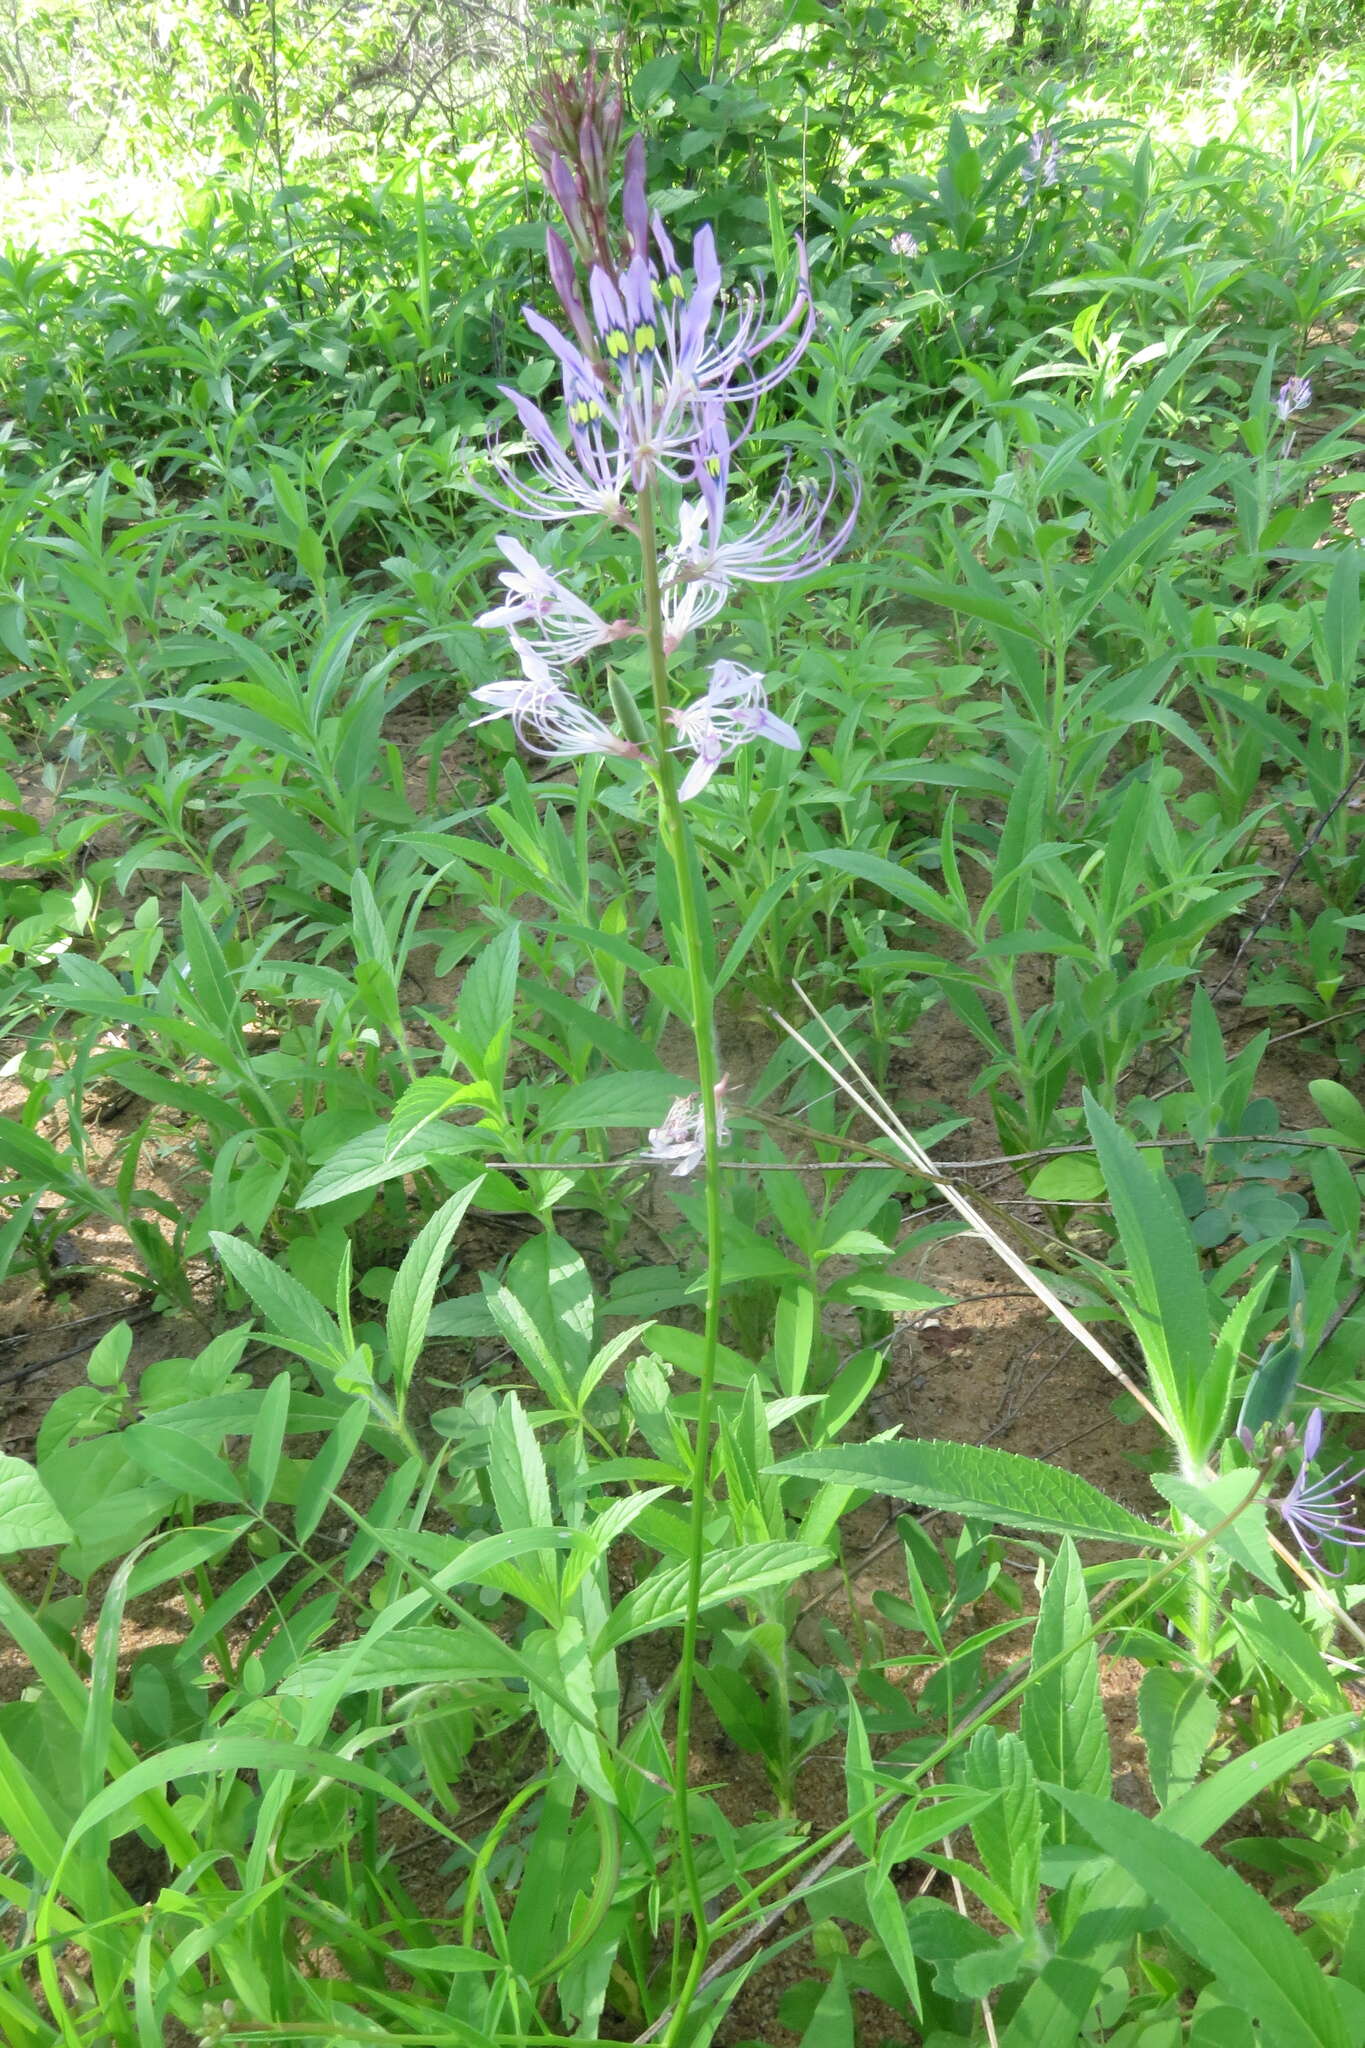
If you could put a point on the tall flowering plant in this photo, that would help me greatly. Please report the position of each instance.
(662, 370)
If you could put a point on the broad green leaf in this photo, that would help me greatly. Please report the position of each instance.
(325, 1470)
(1074, 1179)
(1281, 1643)
(1008, 1833)
(488, 993)
(661, 1600)
(1340, 1894)
(561, 1656)
(1210, 1503)
(1171, 1319)
(368, 1161)
(267, 1440)
(176, 1459)
(1258, 1963)
(624, 1102)
(413, 1655)
(180, 1550)
(545, 1311)
(1342, 1110)
(29, 1517)
(516, 1470)
(982, 1484)
(1061, 1716)
(415, 1284)
(1178, 1716)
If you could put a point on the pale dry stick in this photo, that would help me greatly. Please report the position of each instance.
(886, 1120)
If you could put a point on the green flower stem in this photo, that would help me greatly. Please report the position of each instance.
(702, 1005)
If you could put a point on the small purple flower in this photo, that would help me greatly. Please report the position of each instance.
(733, 712)
(680, 1140)
(591, 475)
(1295, 396)
(565, 627)
(1318, 1511)
(548, 719)
(1043, 160)
(905, 244)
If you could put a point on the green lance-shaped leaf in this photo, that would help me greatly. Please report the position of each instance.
(414, 1287)
(661, 1601)
(1168, 1302)
(983, 1484)
(1061, 1716)
(1260, 1966)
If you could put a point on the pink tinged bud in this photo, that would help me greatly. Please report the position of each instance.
(565, 281)
(592, 160)
(560, 182)
(634, 204)
(610, 122)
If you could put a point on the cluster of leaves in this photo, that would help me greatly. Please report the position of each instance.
(1100, 640)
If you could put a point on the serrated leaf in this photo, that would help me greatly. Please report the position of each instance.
(736, 1574)
(516, 1470)
(1061, 1716)
(983, 1484)
(561, 1656)
(29, 1517)
(293, 1316)
(1008, 1833)
(1258, 1964)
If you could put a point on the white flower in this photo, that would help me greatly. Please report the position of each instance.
(680, 1140)
(548, 719)
(565, 628)
(733, 712)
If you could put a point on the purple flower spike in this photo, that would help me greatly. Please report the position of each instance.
(592, 476)
(1318, 1511)
(1043, 162)
(548, 719)
(1295, 396)
(733, 712)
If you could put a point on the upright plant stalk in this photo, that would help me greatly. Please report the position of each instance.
(701, 1002)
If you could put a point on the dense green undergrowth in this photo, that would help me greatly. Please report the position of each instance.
(385, 1009)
